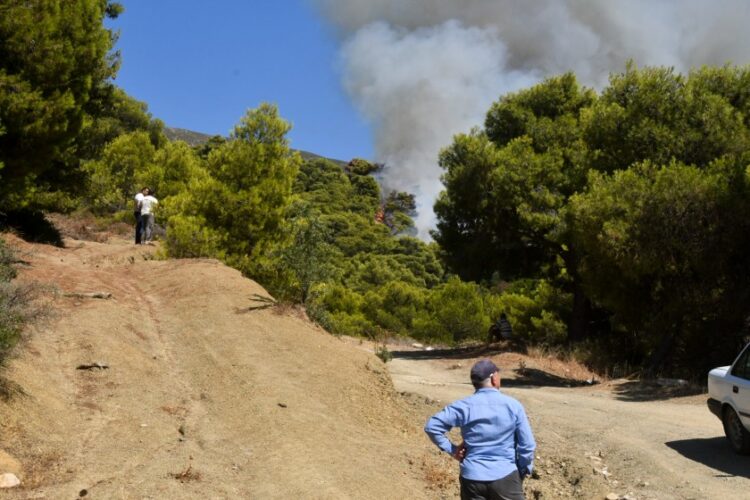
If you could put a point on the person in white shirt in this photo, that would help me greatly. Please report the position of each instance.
(147, 206)
(137, 214)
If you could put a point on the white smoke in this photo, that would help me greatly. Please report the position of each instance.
(424, 70)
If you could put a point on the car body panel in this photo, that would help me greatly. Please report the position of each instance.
(730, 385)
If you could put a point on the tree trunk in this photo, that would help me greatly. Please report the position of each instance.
(578, 328)
(579, 320)
(662, 353)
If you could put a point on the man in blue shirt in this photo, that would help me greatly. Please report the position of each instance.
(498, 447)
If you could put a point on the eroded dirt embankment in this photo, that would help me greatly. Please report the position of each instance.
(202, 396)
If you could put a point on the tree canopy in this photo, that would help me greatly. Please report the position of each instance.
(634, 201)
(54, 56)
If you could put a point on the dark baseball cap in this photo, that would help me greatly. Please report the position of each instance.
(482, 369)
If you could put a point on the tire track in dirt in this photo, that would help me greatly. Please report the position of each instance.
(200, 400)
(97, 392)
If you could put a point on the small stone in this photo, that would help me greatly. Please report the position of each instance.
(644, 484)
(604, 472)
(612, 496)
(9, 480)
(417, 345)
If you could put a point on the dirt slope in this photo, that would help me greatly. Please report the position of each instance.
(202, 397)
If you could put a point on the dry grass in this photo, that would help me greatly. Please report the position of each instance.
(290, 309)
(439, 474)
(537, 359)
(187, 475)
(82, 227)
(42, 469)
(9, 389)
(174, 410)
(86, 227)
(560, 363)
(21, 305)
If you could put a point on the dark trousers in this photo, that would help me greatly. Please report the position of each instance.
(147, 227)
(508, 488)
(138, 226)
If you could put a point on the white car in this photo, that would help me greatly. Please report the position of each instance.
(729, 399)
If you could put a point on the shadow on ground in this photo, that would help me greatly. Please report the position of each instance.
(458, 353)
(521, 377)
(532, 377)
(653, 390)
(715, 453)
(31, 226)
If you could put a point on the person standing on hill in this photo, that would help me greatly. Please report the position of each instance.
(137, 214)
(147, 205)
(498, 446)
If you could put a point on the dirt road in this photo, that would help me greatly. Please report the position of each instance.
(649, 448)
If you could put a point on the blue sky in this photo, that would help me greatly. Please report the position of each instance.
(200, 65)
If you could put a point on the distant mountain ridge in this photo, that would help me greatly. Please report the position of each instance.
(194, 138)
(191, 137)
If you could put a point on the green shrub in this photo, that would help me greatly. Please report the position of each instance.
(394, 306)
(383, 353)
(16, 308)
(359, 166)
(535, 311)
(190, 236)
(454, 312)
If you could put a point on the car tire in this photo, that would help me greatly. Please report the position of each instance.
(737, 435)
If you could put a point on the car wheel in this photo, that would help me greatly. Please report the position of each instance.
(738, 436)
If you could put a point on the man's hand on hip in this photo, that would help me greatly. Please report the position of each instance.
(460, 452)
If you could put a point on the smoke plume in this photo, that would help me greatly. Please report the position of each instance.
(423, 70)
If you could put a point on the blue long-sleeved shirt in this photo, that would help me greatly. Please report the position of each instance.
(496, 433)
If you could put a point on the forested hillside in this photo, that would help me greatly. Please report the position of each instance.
(612, 223)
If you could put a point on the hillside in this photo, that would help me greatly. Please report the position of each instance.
(202, 396)
(197, 138)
